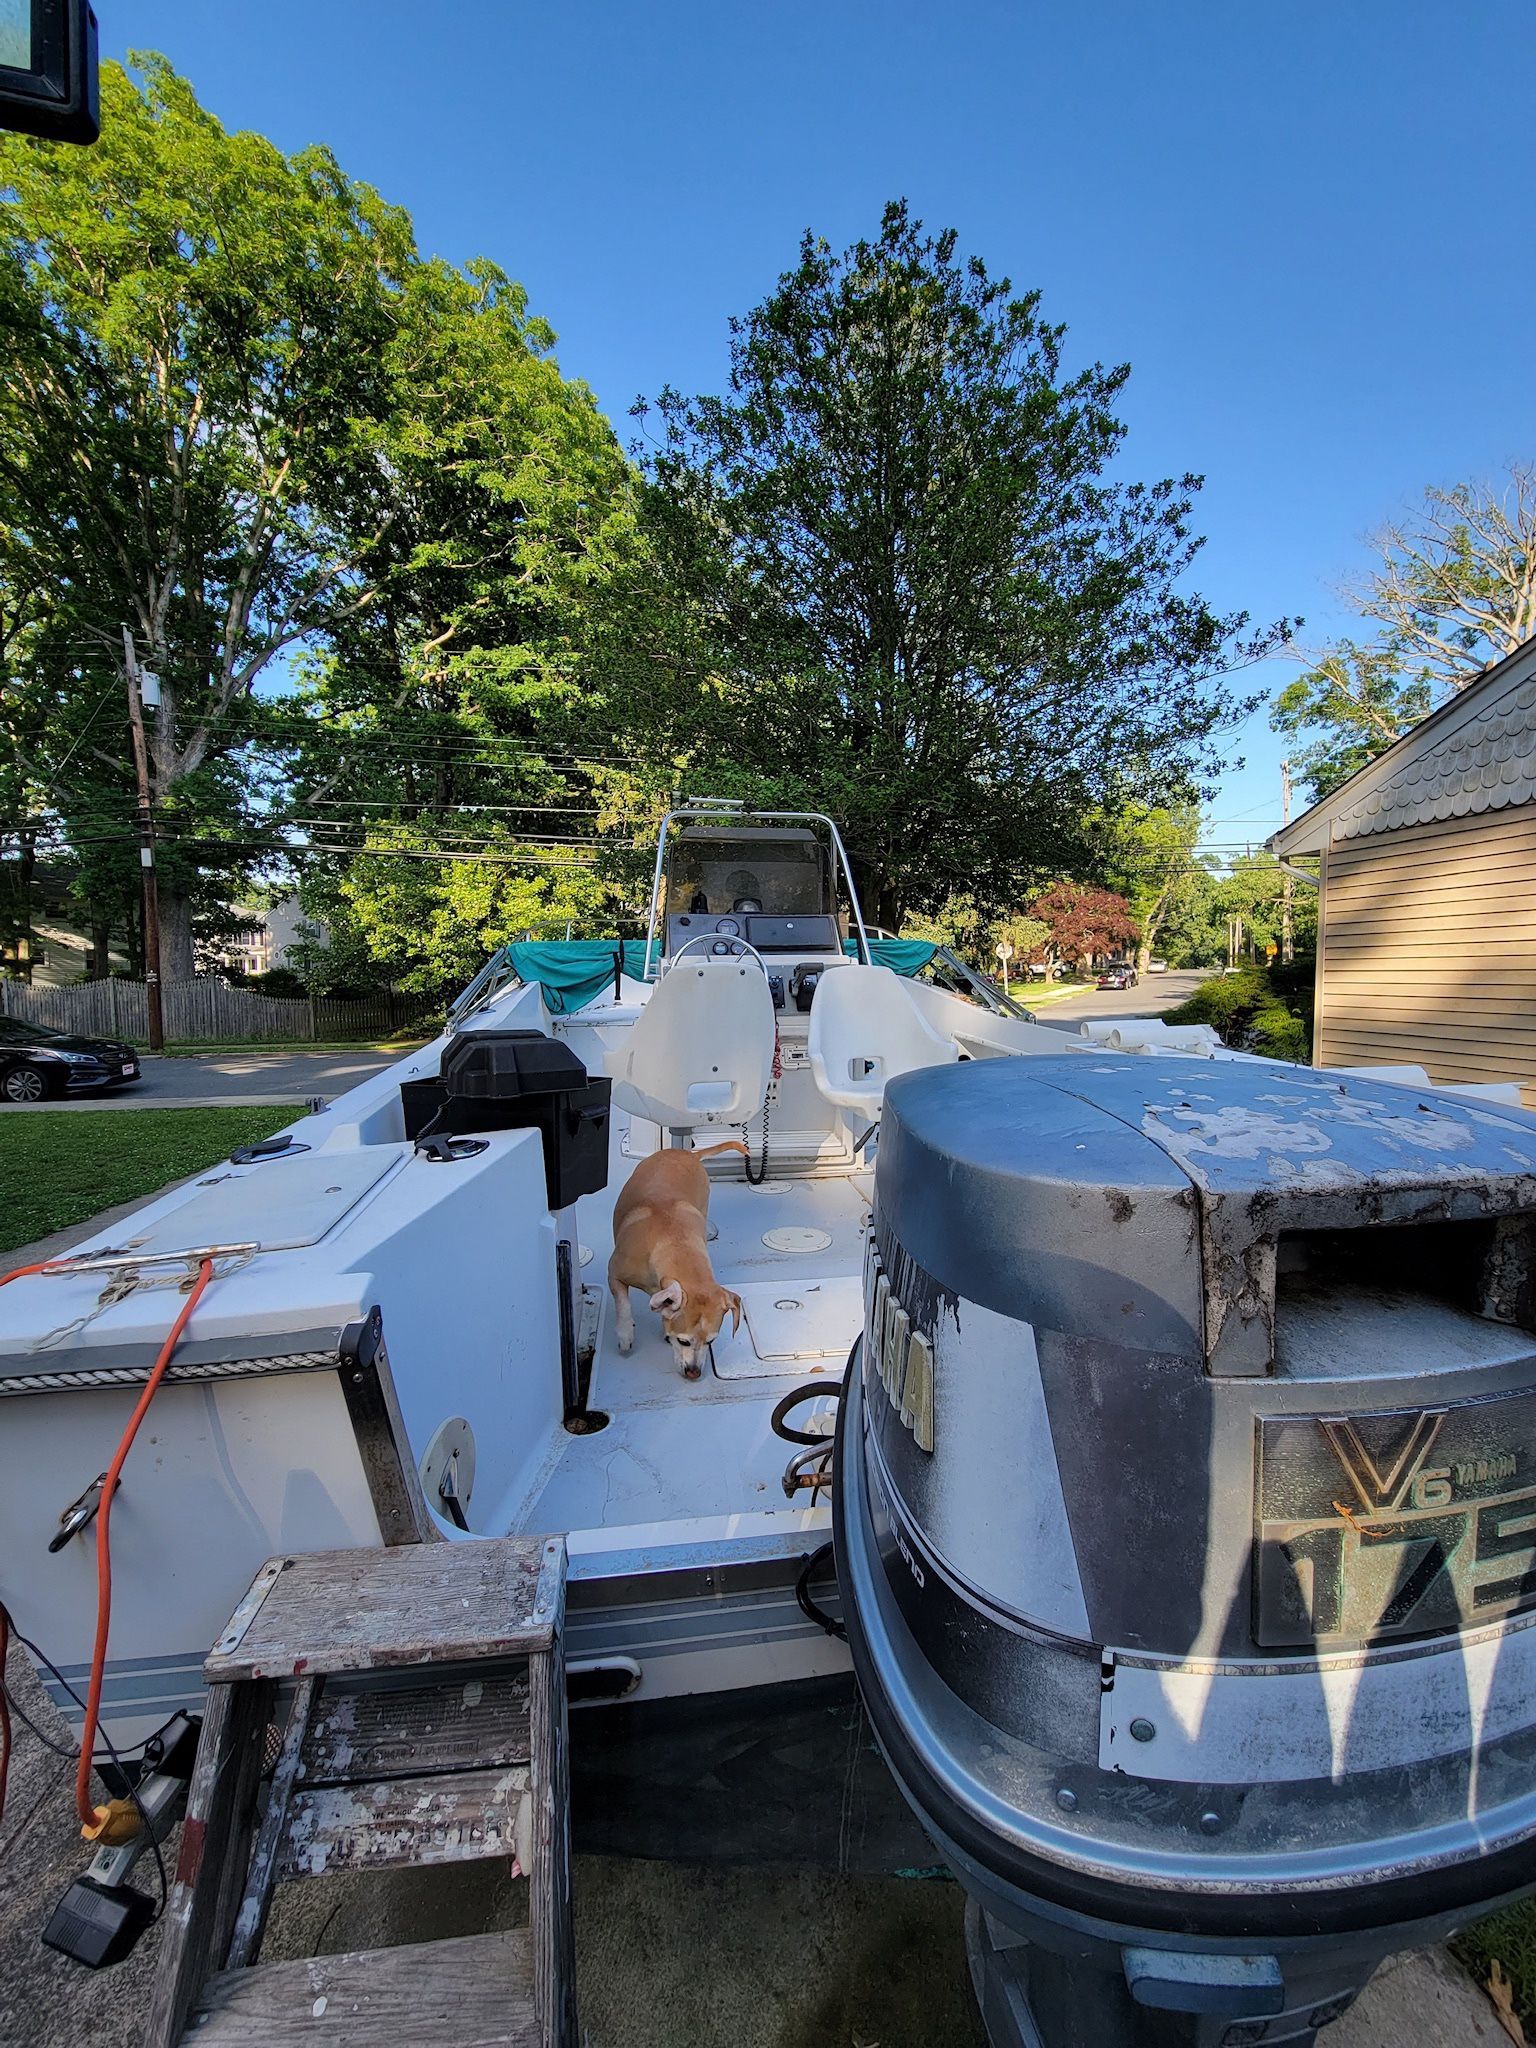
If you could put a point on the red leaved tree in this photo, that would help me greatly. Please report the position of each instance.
(1084, 922)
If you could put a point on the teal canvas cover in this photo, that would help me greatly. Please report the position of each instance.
(906, 957)
(573, 972)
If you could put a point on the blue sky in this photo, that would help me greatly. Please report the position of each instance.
(1304, 226)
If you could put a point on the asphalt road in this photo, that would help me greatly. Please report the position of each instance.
(1147, 1000)
(1151, 996)
(295, 1076)
(230, 1077)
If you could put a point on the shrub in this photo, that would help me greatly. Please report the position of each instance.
(1279, 1034)
(1261, 1010)
(279, 981)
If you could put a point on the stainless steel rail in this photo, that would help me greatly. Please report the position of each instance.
(731, 811)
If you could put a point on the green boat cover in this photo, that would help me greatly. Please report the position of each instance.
(573, 972)
(907, 957)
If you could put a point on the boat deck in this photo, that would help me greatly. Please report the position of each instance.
(676, 1449)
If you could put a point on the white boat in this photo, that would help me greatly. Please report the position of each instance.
(406, 1340)
(409, 1337)
(1158, 1309)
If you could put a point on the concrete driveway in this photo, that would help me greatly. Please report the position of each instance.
(1153, 994)
(231, 1077)
(669, 1955)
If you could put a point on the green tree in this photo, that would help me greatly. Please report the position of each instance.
(505, 498)
(1451, 590)
(1254, 894)
(1194, 932)
(1148, 855)
(455, 710)
(341, 494)
(1028, 936)
(969, 929)
(890, 571)
(194, 333)
(1454, 588)
(1356, 701)
(400, 909)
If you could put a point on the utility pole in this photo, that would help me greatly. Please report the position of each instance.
(146, 846)
(1287, 947)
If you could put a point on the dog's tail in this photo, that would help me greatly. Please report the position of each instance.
(727, 1145)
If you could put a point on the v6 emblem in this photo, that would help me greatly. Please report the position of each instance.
(1405, 1480)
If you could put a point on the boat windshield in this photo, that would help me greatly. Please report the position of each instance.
(716, 872)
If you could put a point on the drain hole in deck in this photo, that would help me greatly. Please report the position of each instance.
(586, 1421)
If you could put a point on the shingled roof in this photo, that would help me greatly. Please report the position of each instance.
(1476, 753)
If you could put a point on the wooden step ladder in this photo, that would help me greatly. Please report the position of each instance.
(416, 1698)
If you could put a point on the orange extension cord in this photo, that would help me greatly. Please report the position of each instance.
(95, 1820)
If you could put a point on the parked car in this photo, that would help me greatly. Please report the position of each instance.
(37, 1062)
(1118, 974)
(1157, 967)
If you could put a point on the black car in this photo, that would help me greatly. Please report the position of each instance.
(36, 1062)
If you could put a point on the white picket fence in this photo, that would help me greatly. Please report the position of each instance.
(207, 1009)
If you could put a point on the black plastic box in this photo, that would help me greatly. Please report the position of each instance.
(421, 1102)
(515, 1081)
(499, 1065)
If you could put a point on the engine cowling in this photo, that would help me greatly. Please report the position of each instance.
(1186, 1516)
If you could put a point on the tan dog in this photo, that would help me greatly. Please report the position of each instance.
(659, 1225)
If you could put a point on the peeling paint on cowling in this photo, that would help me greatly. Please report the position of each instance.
(1231, 1133)
(1345, 1155)
(980, 1168)
(1237, 1132)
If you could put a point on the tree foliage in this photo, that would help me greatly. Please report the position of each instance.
(1254, 891)
(897, 577)
(195, 330)
(428, 924)
(1148, 855)
(241, 414)
(1028, 936)
(1452, 589)
(429, 644)
(1356, 701)
(1084, 922)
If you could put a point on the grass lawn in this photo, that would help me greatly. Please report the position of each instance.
(61, 1167)
(1508, 1940)
(1034, 994)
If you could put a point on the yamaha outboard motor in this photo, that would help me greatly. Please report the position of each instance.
(1186, 1529)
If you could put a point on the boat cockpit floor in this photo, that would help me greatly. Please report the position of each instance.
(676, 1449)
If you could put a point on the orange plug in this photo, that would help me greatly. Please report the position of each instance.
(115, 1823)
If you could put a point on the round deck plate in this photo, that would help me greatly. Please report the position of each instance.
(797, 1237)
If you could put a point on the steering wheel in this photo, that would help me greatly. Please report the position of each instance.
(720, 944)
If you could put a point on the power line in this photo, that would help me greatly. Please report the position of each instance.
(449, 804)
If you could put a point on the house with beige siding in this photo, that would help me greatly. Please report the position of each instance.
(1426, 862)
